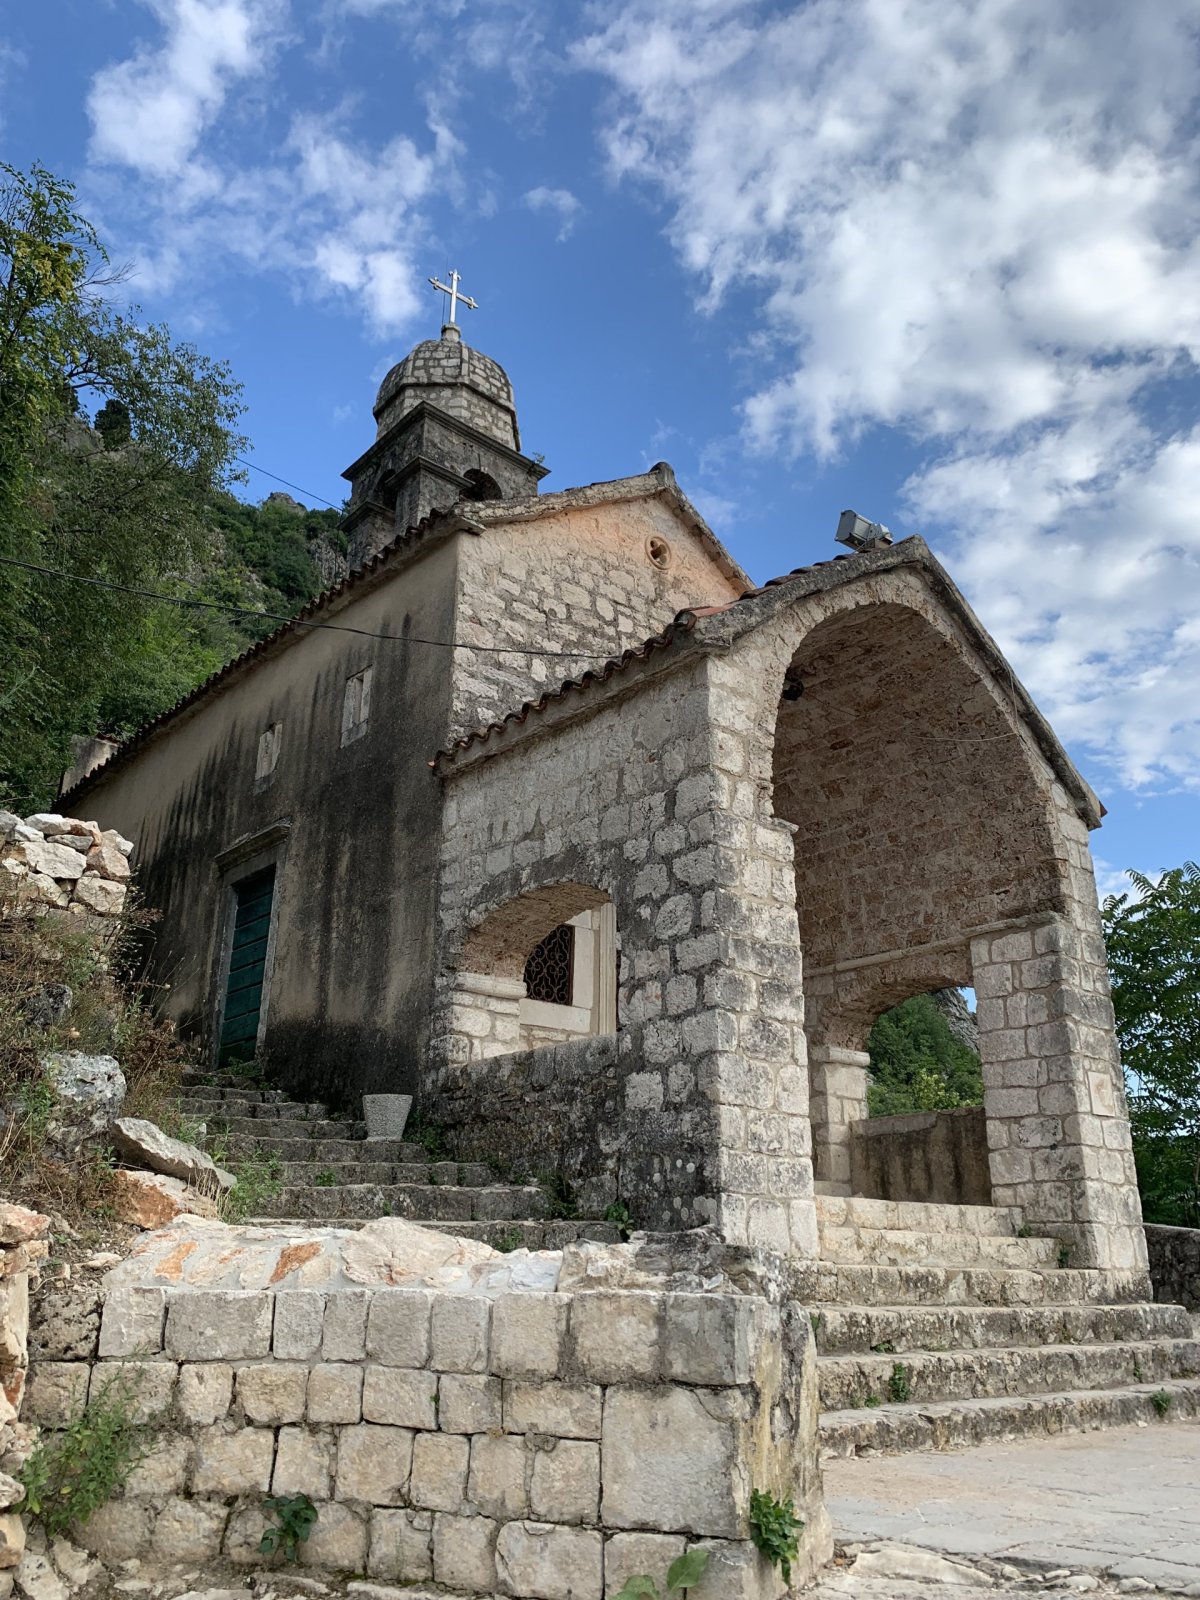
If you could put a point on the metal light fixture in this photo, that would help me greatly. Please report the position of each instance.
(860, 534)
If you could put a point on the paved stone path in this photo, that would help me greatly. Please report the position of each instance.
(1126, 1502)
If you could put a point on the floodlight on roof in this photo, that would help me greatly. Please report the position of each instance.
(860, 534)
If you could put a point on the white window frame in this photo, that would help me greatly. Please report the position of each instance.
(356, 707)
(593, 979)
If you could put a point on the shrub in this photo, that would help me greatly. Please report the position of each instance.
(73, 1473)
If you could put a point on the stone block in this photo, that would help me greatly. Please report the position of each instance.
(338, 1541)
(439, 1471)
(468, 1403)
(303, 1463)
(458, 1337)
(567, 1410)
(203, 1392)
(496, 1483)
(12, 1540)
(708, 1339)
(233, 1461)
(56, 1392)
(527, 1334)
(147, 1388)
(243, 1533)
(272, 1392)
(117, 1531)
(374, 1464)
(565, 1483)
(615, 1335)
(539, 1561)
(735, 1571)
(219, 1325)
(398, 1328)
(335, 1392)
(464, 1552)
(343, 1337)
(400, 1396)
(164, 1470)
(386, 1114)
(299, 1324)
(650, 1554)
(698, 1480)
(131, 1323)
(401, 1545)
(188, 1530)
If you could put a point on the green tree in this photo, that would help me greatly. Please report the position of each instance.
(917, 1064)
(1154, 961)
(131, 508)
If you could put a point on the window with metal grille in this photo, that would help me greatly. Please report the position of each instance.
(548, 970)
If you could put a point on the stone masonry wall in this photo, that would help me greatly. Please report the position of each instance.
(579, 578)
(64, 863)
(645, 803)
(544, 1446)
(23, 1247)
(1175, 1265)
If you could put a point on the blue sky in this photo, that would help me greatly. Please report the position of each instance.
(933, 259)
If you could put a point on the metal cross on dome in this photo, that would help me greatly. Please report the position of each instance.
(452, 290)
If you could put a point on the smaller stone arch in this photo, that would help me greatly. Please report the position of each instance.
(481, 486)
(490, 1007)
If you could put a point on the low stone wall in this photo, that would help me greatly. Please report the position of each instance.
(62, 862)
(938, 1156)
(539, 1445)
(23, 1247)
(587, 1109)
(1174, 1265)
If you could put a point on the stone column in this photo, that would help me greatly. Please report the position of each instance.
(1058, 1130)
(837, 1097)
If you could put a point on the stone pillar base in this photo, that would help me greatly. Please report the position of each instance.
(838, 1097)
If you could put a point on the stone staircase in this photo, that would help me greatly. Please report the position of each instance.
(323, 1170)
(940, 1327)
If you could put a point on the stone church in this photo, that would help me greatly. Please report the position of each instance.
(550, 816)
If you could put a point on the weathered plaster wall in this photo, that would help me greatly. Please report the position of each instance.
(577, 579)
(545, 1445)
(347, 1001)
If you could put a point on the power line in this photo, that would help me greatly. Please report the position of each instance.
(296, 622)
(311, 495)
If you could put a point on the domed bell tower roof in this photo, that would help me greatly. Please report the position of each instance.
(445, 430)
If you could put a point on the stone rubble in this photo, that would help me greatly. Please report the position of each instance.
(65, 863)
(23, 1246)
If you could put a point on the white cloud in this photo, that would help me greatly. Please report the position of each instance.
(560, 203)
(150, 111)
(975, 224)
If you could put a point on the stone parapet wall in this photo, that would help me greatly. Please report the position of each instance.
(544, 1446)
(62, 862)
(1174, 1265)
(935, 1156)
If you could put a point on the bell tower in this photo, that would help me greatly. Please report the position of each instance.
(446, 430)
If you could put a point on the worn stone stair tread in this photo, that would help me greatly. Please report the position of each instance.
(552, 1234)
(958, 1424)
(317, 1153)
(412, 1201)
(851, 1329)
(865, 1246)
(816, 1283)
(934, 1376)
(450, 1175)
(290, 1127)
(856, 1211)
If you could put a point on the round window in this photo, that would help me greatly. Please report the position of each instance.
(659, 551)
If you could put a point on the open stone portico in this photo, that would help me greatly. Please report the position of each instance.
(803, 807)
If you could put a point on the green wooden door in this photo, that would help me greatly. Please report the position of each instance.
(247, 965)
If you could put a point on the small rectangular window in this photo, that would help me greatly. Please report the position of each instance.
(269, 742)
(356, 707)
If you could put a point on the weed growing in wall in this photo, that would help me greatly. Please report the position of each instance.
(682, 1574)
(899, 1384)
(775, 1529)
(1161, 1401)
(73, 1473)
(295, 1517)
(259, 1178)
(618, 1215)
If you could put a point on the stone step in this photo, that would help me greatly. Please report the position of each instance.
(229, 1095)
(903, 1247)
(515, 1235)
(852, 1211)
(823, 1283)
(439, 1174)
(846, 1330)
(414, 1202)
(286, 1128)
(256, 1110)
(319, 1153)
(924, 1376)
(959, 1424)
